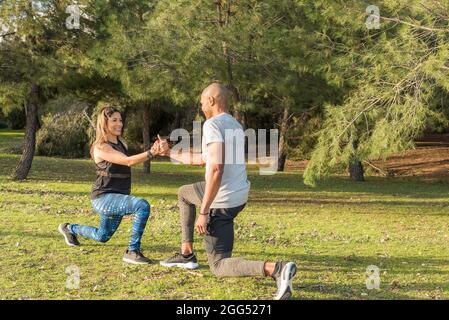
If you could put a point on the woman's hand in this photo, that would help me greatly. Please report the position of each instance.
(163, 147)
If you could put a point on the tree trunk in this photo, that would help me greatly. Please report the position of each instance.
(125, 113)
(282, 139)
(177, 121)
(240, 116)
(356, 171)
(29, 144)
(146, 135)
(223, 22)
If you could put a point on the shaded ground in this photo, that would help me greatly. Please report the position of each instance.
(429, 160)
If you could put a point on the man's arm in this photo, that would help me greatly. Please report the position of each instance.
(194, 159)
(215, 157)
(215, 153)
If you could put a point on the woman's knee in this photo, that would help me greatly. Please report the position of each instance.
(103, 237)
(143, 207)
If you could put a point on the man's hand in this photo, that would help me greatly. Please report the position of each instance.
(160, 147)
(201, 224)
(155, 148)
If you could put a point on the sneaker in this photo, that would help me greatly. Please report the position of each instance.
(69, 237)
(135, 257)
(284, 273)
(181, 261)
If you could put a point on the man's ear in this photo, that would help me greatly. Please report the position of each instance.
(211, 100)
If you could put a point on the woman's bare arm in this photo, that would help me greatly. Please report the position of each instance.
(107, 153)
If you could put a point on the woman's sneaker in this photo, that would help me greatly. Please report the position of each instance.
(69, 237)
(283, 274)
(135, 257)
(181, 261)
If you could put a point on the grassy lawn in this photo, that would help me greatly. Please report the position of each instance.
(10, 141)
(333, 233)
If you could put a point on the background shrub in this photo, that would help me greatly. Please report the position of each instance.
(16, 118)
(64, 135)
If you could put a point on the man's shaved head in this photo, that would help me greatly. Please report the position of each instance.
(219, 92)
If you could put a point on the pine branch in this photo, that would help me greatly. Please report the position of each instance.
(398, 20)
(376, 168)
(7, 34)
(88, 118)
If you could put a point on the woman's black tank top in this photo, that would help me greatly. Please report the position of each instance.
(111, 177)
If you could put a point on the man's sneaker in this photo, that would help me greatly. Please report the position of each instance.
(181, 261)
(283, 274)
(135, 257)
(70, 238)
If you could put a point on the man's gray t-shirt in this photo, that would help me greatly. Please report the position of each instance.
(234, 186)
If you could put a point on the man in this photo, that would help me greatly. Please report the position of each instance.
(220, 198)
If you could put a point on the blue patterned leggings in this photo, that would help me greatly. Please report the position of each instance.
(112, 207)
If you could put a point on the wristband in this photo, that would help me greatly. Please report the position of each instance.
(149, 155)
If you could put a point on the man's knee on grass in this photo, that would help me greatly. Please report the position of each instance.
(220, 265)
(216, 268)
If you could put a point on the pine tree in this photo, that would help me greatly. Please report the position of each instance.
(26, 55)
(392, 76)
(258, 49)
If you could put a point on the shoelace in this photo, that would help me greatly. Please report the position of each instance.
(175, 255)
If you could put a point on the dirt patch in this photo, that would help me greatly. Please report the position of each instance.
(430, 159)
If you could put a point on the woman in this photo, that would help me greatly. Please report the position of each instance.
(110, 192)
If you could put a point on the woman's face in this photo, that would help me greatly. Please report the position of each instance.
(115, 124)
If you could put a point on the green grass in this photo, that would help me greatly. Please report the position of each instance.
(333, 232)
(10, 141)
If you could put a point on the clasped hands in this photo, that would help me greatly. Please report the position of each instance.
(160, 147)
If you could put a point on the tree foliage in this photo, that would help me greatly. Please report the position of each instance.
(397, 83)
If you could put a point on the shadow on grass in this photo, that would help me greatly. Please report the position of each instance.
(86, 195)
(337, 201)
(373, 185)
(86, 243)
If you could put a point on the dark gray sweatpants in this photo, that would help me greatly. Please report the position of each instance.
(220, 240)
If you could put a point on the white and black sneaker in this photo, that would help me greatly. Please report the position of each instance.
(135, 257)
(181, 261)
(283, 274)
(69, 237)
